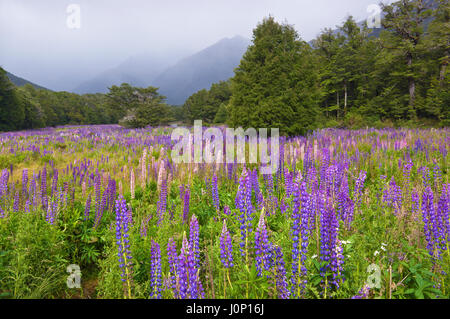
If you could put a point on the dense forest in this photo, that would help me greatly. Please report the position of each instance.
(344, 78)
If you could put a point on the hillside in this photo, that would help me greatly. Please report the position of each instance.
(21, 82)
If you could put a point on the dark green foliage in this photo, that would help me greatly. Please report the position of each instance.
(276, 83)
(12, 111)
(142, 106)
(205, 104)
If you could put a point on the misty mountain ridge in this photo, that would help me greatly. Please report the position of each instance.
(178, 80)
(18, 81)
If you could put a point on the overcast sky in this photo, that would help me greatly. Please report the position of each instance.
(37, 43)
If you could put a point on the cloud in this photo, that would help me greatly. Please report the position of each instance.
(37, 43)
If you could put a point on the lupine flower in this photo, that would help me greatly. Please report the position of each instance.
(188, 281)
(330, 252)
(280, 275)
(24, 182)
(359, 187)
(16, 202)
(162, 203)
(215, 193)
(187, 195)
(155, 272)
(226, 210)
(363, 293)
(261, 246)
(44, 187)
(392, 195)
(300, 233)
(27, 206)
(429, 220)
(51, 212)
(243, 203)
(87, 207)
(194, 240)
(226, 248)
(123, 243)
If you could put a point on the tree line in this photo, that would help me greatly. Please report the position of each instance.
(344, 78)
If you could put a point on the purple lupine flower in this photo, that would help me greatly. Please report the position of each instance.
(16, 202)
(392, 195)
(280, 275)
(362, 293)
(123, 242)
(261, 246)
(426, 176)
(188, 280)
(226, 210)
(112, 194)
(24, 182)
(54, 182)
(330, 252)
(33, 192)
(296, 221)
(51, 212)
(443, 222)
(98, 194)
(181, 192)
(429, 220)
(187, 195)
(155, 272)
(162, 203)
(44, 187)
(288, 183)
(226, 248)
(437, 176)
(99, 212)
(345, 204)
(27, 206)
(87, 207)
(194, 240)
(182, 276)
(215, 193)
(359, 187)
(244, 205)
(300, 233)
(283, 206)
(407, 172)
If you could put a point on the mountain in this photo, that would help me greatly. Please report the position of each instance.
(140, 70)
(199, 71)
(21, 82)
(176, 78)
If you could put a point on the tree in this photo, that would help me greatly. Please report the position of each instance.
(437, 46)
(140, 106)
(34, 115)
(276, 83)
(204, 104)
(404, 22)
(221, 115)
(12, 111)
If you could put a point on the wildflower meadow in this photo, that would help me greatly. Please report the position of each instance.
(347, 214)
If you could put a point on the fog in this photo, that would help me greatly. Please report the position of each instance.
(44, 42)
